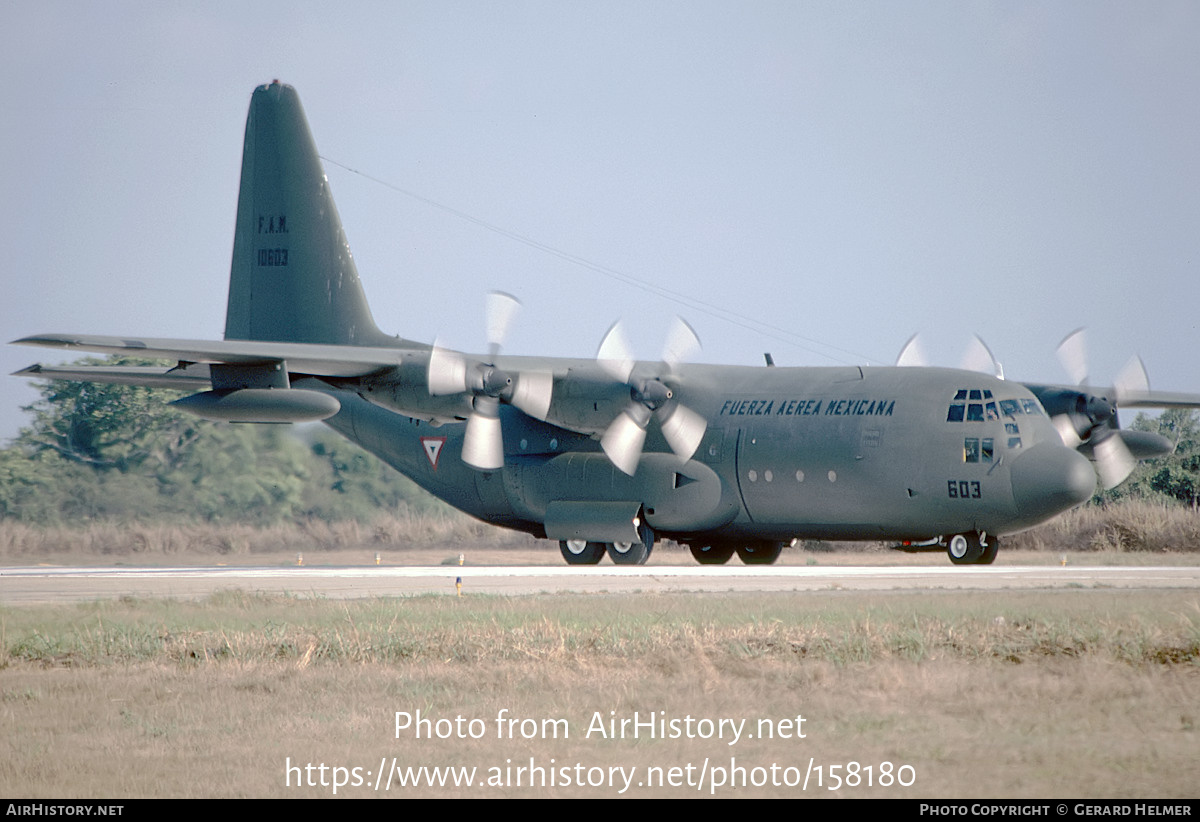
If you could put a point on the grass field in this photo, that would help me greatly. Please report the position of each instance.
(1079, 693)
(1088, 693)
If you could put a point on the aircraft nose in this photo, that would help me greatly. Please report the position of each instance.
(1049, 478)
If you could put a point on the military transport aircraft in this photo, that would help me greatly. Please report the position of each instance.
(608, 454)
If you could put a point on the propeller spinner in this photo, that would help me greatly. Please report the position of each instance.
(450, 372)
(682, 427)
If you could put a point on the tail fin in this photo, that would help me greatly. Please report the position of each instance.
(293, 278)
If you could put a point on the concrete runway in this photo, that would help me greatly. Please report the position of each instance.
(25, 585)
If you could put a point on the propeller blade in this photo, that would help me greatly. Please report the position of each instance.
(614, 354)
(623, 440)
(533, 393)
(1132, 382)
(499, 310)
(1113, 461)
(682, 427)
(447, 373)
(682, 343)
(911, 355)
(1065, 427)
(483, 444)
(1072, 353)
(978, 357)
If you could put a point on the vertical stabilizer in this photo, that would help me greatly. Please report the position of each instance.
(293, 278)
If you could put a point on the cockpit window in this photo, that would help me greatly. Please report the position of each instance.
(978, 404)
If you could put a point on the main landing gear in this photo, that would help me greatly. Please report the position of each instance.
(583, 552)
(975, 548)
(751, 553)
(716, 554)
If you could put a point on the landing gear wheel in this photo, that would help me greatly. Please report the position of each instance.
(964, 549)
(991, 546)
(633, 553)
(581, 552)
(717, 554)
(760, 553)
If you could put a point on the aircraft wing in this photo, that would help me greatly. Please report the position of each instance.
(194, 377)
(1159, 399)
(302, 358)
(1126, 399)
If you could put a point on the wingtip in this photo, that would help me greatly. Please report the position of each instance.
(47, 340)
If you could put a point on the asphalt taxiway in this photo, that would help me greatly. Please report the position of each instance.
(40, 584)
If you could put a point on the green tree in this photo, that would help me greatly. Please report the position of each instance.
(97, 451)
(109, 427)
(1175, 476)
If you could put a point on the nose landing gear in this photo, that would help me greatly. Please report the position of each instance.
(974, 548)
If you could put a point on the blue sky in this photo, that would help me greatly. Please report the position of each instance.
(818, 180)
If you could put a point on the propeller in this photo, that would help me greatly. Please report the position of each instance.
(1087, 419)
(450, 372)
(977, 357)
(682, 427)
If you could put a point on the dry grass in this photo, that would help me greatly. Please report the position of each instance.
(1087, 694)
(154, 541)
(1128, 529)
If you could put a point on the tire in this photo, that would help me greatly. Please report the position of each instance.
(991, 547)
(964, 549)
(760, 553)
(581, 552)
(717, 554)
(633, 553)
